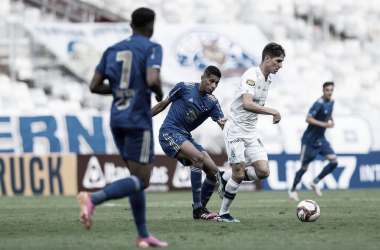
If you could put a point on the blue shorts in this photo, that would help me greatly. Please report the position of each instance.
(134, 144)
(171, 142)
(309, 152)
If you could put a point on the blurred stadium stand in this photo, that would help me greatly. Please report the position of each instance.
(325, 40)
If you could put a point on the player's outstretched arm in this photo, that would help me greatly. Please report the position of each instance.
(159, 107)
(312, 121)
(97, 85)
(154, 82)
(250, 105)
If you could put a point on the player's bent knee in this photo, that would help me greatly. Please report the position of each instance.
(265, 174)
(198, 160)
(239, 176)
(334, 162)
(210, 172)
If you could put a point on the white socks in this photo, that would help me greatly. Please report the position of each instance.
(229, 196)
(227, 175)
(250, 175)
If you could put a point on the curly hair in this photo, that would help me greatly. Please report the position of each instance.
(212, 70)
(142, 16)
(273, 50)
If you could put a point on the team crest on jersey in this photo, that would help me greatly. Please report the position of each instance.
(250, 82)
(198, 48)
(192, 115)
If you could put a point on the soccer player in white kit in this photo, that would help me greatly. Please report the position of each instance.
(240, 133)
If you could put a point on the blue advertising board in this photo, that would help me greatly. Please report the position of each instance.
(353, 171)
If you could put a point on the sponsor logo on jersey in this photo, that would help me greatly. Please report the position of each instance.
(250, 82)
(236, 140)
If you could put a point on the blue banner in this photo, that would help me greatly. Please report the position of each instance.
(353, 171)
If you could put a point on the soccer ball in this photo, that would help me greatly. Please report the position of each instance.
(308, 211)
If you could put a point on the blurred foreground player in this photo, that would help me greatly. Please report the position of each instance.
(132, 68)
(240, 132)
(192, 104)
(314, 141)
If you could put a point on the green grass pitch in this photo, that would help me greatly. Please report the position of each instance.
(348, 220)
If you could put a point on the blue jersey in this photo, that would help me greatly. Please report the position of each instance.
(189, 109)
(124, 65)
(321, 111)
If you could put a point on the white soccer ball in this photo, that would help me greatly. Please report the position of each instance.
(308, 211)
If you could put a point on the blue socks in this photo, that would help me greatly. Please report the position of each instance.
(326, 170)
(137, 202)
(98, 197)
(196, 184)
(132, 187)
(117, 190)
(298, 177)
(207, 190)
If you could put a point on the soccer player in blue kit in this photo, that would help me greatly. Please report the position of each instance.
(192, 104)
(132, 68)
(314, 141)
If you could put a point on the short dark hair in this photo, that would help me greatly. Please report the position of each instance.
(328, 84)
(142, 16)
(212, 70)
(273, 50)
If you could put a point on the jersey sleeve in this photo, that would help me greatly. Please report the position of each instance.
(315, 109)
(154, 58)
(177, 91)
(101, 68)
(248, 84)
(216, 112)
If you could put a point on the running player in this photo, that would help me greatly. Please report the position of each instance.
(314, 141)
(132, 68)
(240, 132)
(192, 104)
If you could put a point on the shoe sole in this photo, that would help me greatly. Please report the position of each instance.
(221, 186)
(227, 220)
(85, 219)
(200, 218)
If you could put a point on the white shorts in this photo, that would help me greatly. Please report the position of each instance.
(243, 149)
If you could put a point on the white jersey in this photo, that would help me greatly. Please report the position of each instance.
(241, 121)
